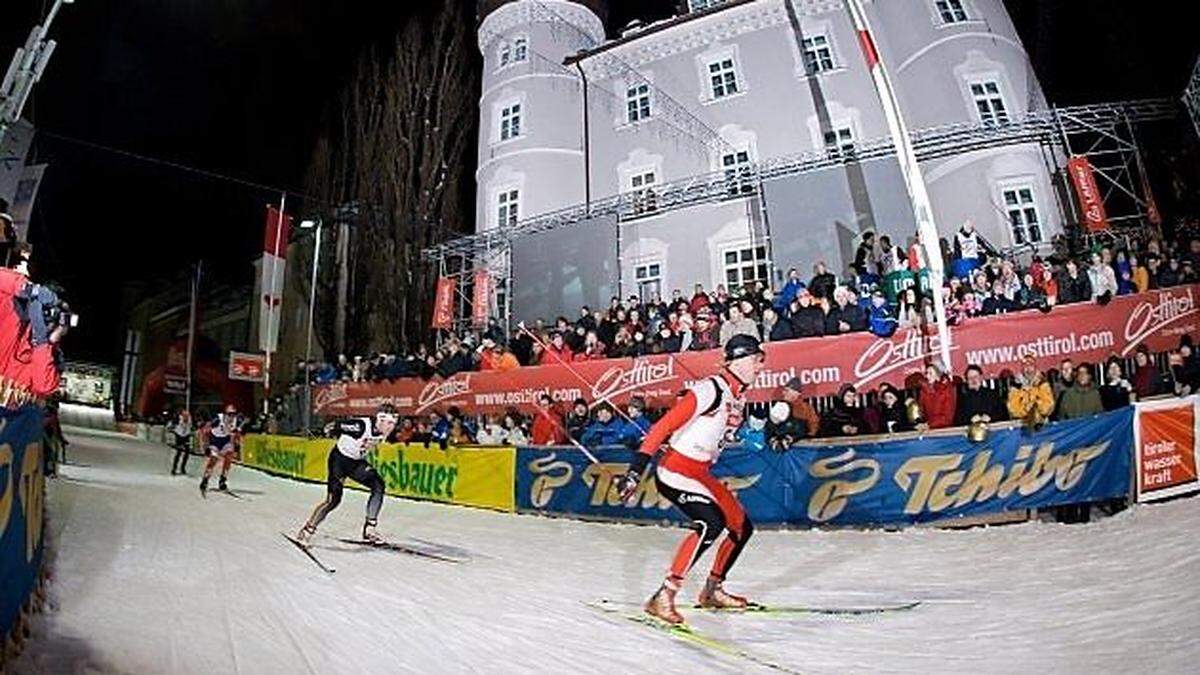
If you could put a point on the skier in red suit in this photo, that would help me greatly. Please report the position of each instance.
(694, 431)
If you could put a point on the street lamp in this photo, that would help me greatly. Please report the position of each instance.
(308, 224)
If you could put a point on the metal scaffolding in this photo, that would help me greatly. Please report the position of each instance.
(1102, 132)
(1191, 97)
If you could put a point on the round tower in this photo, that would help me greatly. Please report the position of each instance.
(531, 106)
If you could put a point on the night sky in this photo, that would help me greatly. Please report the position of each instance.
(240, 87)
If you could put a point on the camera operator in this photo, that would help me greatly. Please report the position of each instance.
(33, 320)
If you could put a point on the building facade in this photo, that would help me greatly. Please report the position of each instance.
(567, 117)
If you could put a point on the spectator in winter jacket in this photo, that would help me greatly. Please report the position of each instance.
(593, 348)
(1064, 380)
(578, 419)
(752, 435)
(1082, 399)
(1116, 392)
(938, 398)
(790, 289)
(807, 318)
(699, 299)
(557, 352)
(1147, 379)
(738, 324)
(1030, 398)
(880, 316)
(801, 410)
(889, 415)
(1073, 286)
(1102, 277)
(844, 418)
(1185, 368)
(636, 424)
(822, 283)
(845, 316)
(864, 257)
(705, 333)
(777, 328)
(604, 430)
(547, 424)
(977, 402)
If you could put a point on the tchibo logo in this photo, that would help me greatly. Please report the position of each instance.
(1149, 317)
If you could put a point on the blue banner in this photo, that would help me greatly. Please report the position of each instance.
(22, 487)
(877, 482)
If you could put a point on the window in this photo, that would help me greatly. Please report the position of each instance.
(951, 11)
(637, 99)
(989, 103)
(840, 142)
(645, 199)
(744, 266)
(520, 49)
(697, 5)
(818, 57)
(507, 207)
(723, 77)
(649, 281)
(736, 166)
(1023, 215)
(510, 122)
(505, 54)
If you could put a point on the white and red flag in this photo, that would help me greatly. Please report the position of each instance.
(275, 241)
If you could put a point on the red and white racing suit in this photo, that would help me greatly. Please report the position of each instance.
(694, 431)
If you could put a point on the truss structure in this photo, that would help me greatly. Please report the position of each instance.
(1191, 97)
(1102, 132)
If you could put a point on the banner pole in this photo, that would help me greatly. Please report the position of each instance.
(270, 293)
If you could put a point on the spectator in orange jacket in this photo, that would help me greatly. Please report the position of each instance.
(938, 398)
(547, 424)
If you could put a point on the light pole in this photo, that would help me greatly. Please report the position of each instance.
(312, 304)
(26, 69)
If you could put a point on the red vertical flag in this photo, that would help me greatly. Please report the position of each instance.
(443, 303)
(481, 298)
(275, 242)
(1090, 202)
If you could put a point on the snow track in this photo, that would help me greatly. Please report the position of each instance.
(150, 578)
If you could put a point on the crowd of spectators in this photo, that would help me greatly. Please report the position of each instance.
(885, 289)
(930, 400)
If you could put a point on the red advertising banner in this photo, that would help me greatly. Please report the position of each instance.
(443, 303)
(481, 297)
(1090, 201)
(1164, 435)
(247, 367)
(1083, 332)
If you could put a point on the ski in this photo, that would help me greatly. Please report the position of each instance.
(401, 548)
(755, 608)
(296, 542)
(690, 635)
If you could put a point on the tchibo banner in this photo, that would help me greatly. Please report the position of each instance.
(472, 476)
(879, 482)
(22, 487)
(1165, 438)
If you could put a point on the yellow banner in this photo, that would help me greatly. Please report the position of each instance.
(472, 476)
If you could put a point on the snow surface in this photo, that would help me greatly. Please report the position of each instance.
(150, 578)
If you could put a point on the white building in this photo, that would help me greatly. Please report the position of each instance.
(721, 86)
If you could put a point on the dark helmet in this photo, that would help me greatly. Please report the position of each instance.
(742, 345)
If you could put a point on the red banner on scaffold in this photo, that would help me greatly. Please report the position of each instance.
(481, 298)
(443, 303)
(1082, 332)
(1090, 201)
